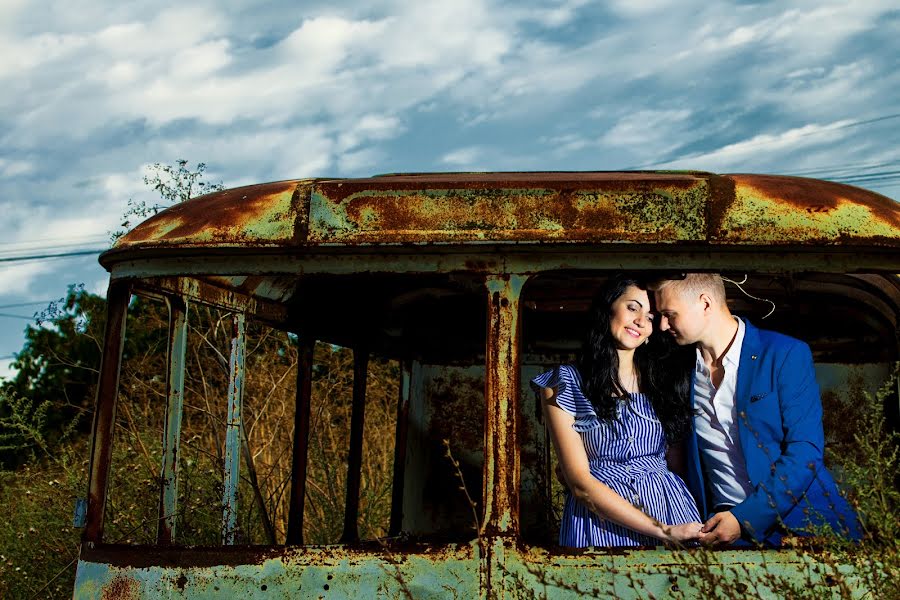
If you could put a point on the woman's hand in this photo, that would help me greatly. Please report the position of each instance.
(685, 532)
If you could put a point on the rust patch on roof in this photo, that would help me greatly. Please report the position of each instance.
(773, 209)
(259, 215)
(817, 196)
(339, 189)
(532, 208)
(510, 207)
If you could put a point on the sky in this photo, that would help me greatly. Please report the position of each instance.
(95, 92)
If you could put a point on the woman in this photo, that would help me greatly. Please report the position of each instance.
(612, 420)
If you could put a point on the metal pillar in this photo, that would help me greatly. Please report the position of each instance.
(400, 441)
(354, 460)
(233, 430)
(301, 441)
(177, 343)
(117, 298)
(501, 395)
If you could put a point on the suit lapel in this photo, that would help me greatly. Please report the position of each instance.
(746, 375)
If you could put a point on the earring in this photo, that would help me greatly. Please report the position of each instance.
(647, 341)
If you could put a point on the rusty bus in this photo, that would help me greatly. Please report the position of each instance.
(479, 279)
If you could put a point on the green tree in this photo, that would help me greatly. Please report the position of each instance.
(57, 369)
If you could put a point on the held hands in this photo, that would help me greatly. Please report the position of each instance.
(685, 532)
(721, 528)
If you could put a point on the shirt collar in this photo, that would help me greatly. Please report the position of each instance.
(732, 358)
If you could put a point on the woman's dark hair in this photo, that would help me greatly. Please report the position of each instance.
(662, 367)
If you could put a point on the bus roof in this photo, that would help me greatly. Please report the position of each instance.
(694, 208)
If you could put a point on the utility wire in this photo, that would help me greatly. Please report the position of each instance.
(20, 304)
(63, 241)
(11, 259)
(9, 316)
(40, 247)
(882, 176)
(842, 168)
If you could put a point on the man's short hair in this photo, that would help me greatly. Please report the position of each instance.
(694, 284)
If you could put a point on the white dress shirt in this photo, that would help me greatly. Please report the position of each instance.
(725, 469)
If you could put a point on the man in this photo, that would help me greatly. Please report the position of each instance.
(755, 452)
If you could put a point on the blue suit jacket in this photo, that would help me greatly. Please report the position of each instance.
(779, 414)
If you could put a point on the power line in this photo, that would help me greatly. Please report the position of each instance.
(26, 248)
(883, 175)
(9, 316)
(51, 256)
(35, 303)
(67, 239)
(845, 167)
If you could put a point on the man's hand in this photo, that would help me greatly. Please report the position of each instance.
(721, 528)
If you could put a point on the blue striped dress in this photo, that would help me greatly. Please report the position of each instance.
(628, 455)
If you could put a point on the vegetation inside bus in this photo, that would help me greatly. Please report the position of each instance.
(434, 326)
(268, 417)
(849, 321)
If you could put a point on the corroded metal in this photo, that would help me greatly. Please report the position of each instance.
(117, 298)
(400, 441)
(416, 468)
(789, 210)
(631, 207)
(451, 571)
(301, 440)
(509, 207)
(355, 454)
(233, 430)
(177, 342)
(501, 393)
(226, 295)
(421, 571)
(518, 258)
(269, 214)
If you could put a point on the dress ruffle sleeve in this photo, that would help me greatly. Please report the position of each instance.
(564, 380)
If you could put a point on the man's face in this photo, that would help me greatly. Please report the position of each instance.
(681, 316)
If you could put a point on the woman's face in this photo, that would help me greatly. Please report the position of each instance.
(630, 320)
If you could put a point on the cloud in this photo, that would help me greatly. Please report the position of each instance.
(464, 158)
(640, 8)
(11, 168)
(659, 129)
(16, 279)
(769, 146)
(99, 287)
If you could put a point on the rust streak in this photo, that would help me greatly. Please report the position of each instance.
(340, 190)
(228, 210)
(501, 456)
(121, 588)
(105, 409)
(814, 196)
